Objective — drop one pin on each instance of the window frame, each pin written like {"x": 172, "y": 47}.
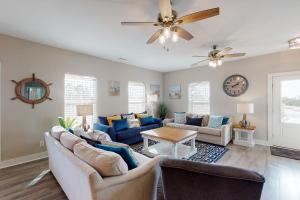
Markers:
{"x": 144, "y": 103}
{"x": 90, "y": 119}
{"x": 191, "y": 101}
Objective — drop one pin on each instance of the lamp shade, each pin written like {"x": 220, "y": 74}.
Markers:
{"x": 84, "y": 110}
{"x": 245, "y": 108}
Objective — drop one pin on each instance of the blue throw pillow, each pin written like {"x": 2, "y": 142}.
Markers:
{"x": 123, "y": 152}
{"x": 120, "y": 125}
{"x": 103, "y": 120}
{"x": 146, "y": 121}
{"x": 101, "y": 127}
{"x": 90, "y": 141}
{"x": 225, "y": 120}
{"x": 194, "y": 121}
{"x": 215, "y": 121}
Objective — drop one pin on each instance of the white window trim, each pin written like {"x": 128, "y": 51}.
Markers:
{"x": 189, "y": 96}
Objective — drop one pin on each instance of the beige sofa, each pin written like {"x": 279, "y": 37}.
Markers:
{"x": 221, "y": 136}
{"x": 82, "y": 182}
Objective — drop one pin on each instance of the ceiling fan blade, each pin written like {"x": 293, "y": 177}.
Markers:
{"x": 139, "y": 23}
{"x": 198, "y": 16}
{"x": 197, "y": 63}
{"x": 195, "y": 56}
{"x": 183, "y": 33}
{"x": 225, "y": 50}
{"x": 165, "y": 9}
{"x": 234, "y": 55}
{"x": 154, "y": 37}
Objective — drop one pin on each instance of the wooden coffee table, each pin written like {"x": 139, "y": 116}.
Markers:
{"x": 170, "y": 142}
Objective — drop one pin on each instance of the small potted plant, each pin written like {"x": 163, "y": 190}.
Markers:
{"x": 162, "y": 111}
{"x": 68, "y": 123}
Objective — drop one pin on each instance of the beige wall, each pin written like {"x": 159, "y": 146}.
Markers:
{"x": 22, "y": 127}
{"x": 254, "y": 69}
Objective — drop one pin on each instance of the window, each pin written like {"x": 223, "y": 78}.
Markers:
{"x": 80, "y": 90}
{"x": 136, "y": 97}
{"x": 199, "y": 97}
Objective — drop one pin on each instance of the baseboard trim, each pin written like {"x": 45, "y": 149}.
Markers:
{"x": 23, "y": 159}
{"x": 262, "y": 142}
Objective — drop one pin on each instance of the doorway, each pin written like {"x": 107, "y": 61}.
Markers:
{"x": 284, "y": 111}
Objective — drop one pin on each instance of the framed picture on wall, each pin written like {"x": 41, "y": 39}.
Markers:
{"x": 155, "y": 90}
{"x": 114, "y": 88}
{"x": 175, "y": 91}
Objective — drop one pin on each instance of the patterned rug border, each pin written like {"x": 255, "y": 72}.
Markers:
{"x": 206, "y": 152}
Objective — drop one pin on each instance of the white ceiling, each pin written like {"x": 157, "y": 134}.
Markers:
{"x": 93, "y": 27}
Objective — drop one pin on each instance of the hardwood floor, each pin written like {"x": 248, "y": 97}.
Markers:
{"x": 282, "y": 176}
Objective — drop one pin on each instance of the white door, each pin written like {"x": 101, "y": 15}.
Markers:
{"x": 286, "y": 111}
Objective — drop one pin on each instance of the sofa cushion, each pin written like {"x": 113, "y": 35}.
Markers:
{"x": 209, "y": 131}
{"x": 182, "y": 126}
{"x": 149, "y": 127}
{"x": 215, "y": 121}
{"x": 56, "y": 131}
{"x": 194, "y": 121}
{"x": 123, "y": 152}
{"x": 131, "y": 132}
{"x": 120, "y": 125}
{"x": 105, "y": 162}
{"x": 180, "y": 117}
{"x": 146, "y": 120}
{"x": 68, "y": 140}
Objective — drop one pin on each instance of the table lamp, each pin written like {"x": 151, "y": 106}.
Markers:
{"x": 84, "y": 110}
{"x": 245, "y": 108}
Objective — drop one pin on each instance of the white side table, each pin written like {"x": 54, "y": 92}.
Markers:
{"x": 244, "y": 137}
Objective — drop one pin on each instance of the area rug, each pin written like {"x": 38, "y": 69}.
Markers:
{"x": 287, "y": 153}
{"x": 208, "y": 153}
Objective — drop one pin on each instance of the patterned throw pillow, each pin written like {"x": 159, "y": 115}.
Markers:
{"x": 132, "y": 123}
{"x": 128, "y": 116}
{"x": 180, "y": 117}
{"x": 215, "y": 121}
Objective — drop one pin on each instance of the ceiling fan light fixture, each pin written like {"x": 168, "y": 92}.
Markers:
{"x": 219, "y": 62}
{"x": 294, "y": 43}
{"x": 174, "y": 36}
{"x": 166, "y": 32}
{"x": 162, "y": 39}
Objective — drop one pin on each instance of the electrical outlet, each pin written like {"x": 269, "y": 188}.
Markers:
{"x": 42, "y": 143}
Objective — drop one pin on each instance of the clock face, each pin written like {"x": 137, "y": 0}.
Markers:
{"x": 235, "y": 85}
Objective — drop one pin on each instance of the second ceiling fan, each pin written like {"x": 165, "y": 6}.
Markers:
{"x": 169, "y": 24}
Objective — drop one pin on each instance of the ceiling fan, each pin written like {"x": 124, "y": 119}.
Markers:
{"x": 215, "y": 56}
{"x": 169, "y": 24}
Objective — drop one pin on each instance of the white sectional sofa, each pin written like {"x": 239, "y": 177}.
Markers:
{"x": 221, "y": 136}
{"x": 80, "y": 181}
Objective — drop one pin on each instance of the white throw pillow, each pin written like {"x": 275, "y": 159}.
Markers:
{"x": 68, "y": 140}
{"x": 105, "y": 162}
{"x": 56, "y": 131}
{"x": 180, "y": 117}
{"x": 79, "y": 131}
{"x": 99, "y": 135}
{"x": 132, "y": 123}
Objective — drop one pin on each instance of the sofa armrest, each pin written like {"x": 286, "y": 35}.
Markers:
{"x": 158, "y": 121}
{"x": 107, "y": 129}
{"x": 168, "y": 120}
{"x": 226, "y": 135}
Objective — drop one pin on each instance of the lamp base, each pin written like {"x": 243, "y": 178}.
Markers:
{"x": 244, "y": 123}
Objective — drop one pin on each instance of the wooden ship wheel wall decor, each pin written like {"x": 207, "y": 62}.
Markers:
{"x": 32, "y": 90}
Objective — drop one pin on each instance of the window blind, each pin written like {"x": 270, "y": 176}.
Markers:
{"x": 136, "y": 97}
{"x": 199, "y": 98}
{"x": 80, "y": 90}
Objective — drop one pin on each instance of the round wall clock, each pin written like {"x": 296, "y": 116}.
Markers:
{"x": 235, "y": 85}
